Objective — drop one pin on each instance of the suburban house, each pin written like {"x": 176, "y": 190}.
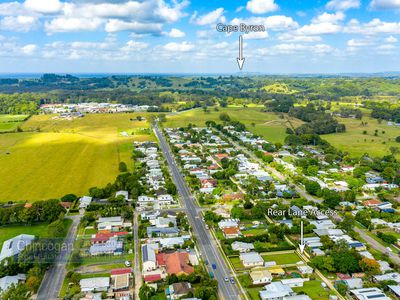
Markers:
{"x": 7, "y": 281}
{"x": 242, "y": 247}
{"x": 13, "y": 247}
{"x": 120, "y": 279}
{"x": 260, "y": 276}
{"x": 178, "y": 290}
{"x": 231, "y": 232}
{"x": 175, "y": 263}
{"x": 251, "y": 259}
{"x": 275, "y": 291}
{"x": 96, "y": 284}
{"x": 85, "y": 201}
{"x": 149, "y": 261}
{"x": 369, "y": 293}
{"x": 112, "y": 246}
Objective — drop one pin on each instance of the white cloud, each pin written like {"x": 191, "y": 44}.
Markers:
{"x": 63, "y": 24}
{"x": 134, "y": 46}
{"x": 261, "y": 6}
{"x": 385, "y": 4}
{"x": 319, "y": 29}
{"x": 18, "y": 23}
{"x": 391, "y": 39}
{"x": 44, "y": 6}
{"x": 178, "y": 47}
{"x": 12, "y": 9}
{"x": 376, "y": 26}
{"x": 342, "y": 4}
{"x": 386, "y": 47}
{"x": 115, "y": 25}
{"x": 29, "y": 49}
{"x": 175, "y": 33}
{"x": 290, "y": 48}
{"x": 329, "y": 18}
{"x": 288, "y": 37}
{"x": 273, "y": 22}
{"x": 358, "y": 43}
{"x": 211, "y": 18}
{"x": 256, "y": 35}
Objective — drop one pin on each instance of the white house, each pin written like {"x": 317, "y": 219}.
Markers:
{"x": 242, "y": 247}
{"x": 85, "y": 201}
{"x": 7, "y": 281}
{"x": 149, "y": 261}
{"x": 260, "y": 276}
{"x": 251, "y": 259}
{"x": 97, "y": 284}
{"x": 275, "y": 291}
{"x": 14, "y": 246}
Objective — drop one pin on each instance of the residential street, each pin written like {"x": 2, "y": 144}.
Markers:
{"x": 54, "y": 277}
{"x": 206, "y": 243}
{"x": 377, "y": 246}
{"x": 137, "y": 262}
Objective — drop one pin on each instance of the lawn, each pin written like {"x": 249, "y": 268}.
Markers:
{"x": 313, "y": 289}
{"x": 236, "y": 262}
{"x": 10, "y": 123}
{"x": 282, "y": 259}
{"x": 66, "y": 156}
{"x": 266, "y": 124}
{"x": 254, "y": 293}
{"x": 38, "y": 230}
{"x": 357, "y": 143}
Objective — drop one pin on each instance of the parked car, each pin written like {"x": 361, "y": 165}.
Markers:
{"x": 127, "y": 263}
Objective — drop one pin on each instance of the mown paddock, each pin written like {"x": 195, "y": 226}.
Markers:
{"x": 66, "y": 156}
{"x": 266, "y": 124}
{"x": 357, "y": 143}
{"x": 10, "y": 122}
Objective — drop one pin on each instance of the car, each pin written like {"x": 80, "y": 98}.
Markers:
{"x": 226, "y": 279}
{"x": 214, "y": 266}
{"x": 232, "y": 280}
{"x": 207, "y": 227}
{"x": 127, "y": 263}
{"x": 206, "y": 262}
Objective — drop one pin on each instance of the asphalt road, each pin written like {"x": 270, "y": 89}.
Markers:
{"x": 377, "y": 246}
{"x": 137, "y": 262}
{"x": 206, "y": 243}
{"x": 53, "y": 279}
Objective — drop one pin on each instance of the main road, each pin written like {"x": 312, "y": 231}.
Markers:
{"x": 206, "y": 244}
{"x": 53, "y": 279}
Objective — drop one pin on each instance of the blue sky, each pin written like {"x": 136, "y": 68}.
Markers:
{"x": 179, "y": 36}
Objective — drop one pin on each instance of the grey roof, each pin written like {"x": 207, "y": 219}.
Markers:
{"x": 14, "y": 246}
{"x": 7, "y": 281}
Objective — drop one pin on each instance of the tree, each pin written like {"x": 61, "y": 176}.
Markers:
{"x": 19, "y": 291}
{"x": 397, "y": 139}
{"x": 370, "y": 266}
{"x": 341, "y": 288}
{"x": 312, "y": 187}
{"x": 224, "y": 117}
{"x": 146, "y": 292}
{"x": 69, "y": 198}
{"x": 122, "y": 167}
{"x": 389, "y": 174}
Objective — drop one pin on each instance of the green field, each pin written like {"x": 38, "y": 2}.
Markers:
{"x": 9, "y": 123}
{"x": 38, "y": 230}
{"x": 313, "y": 289}
{"x": 66, "y": 156}
{"x": 282, "y": 259}
{"x": 265, "y": 124}
{"x": 357, "y": 143}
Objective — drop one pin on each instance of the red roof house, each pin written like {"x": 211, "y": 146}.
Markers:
{"x": 175, "y": 263}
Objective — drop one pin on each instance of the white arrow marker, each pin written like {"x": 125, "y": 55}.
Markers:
{"x": 240, "y": 59}
{"x": 302, "y": 246}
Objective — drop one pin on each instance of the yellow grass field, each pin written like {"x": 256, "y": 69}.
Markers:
{"x": 66, "y": 156}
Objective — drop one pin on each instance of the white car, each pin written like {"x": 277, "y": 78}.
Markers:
{"x": 127, "y": 263}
